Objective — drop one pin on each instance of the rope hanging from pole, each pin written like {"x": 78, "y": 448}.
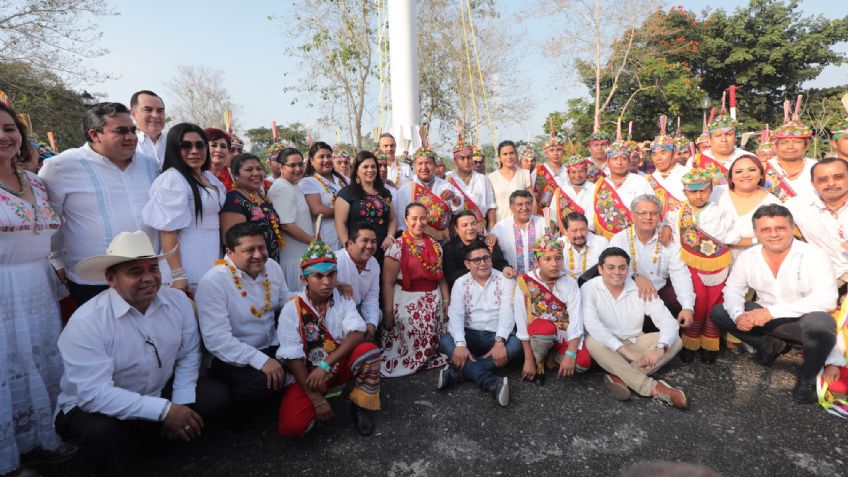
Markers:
{"x": 480, "y": 76}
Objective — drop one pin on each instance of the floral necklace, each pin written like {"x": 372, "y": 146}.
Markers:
{"x": 416, "y": 251}
{"x": 632, "y": 240}
{"x": 326, "y": 185}
{"x": 272, "y": 217}
{"x": 266, "y": 284}
{"x": 571, "y": 260}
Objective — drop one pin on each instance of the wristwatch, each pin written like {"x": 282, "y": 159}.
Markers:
{"x": 662, "y": 346}
{"x": 499, "y": 339}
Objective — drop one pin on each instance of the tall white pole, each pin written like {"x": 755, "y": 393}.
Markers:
{"x": 403, "y": 66}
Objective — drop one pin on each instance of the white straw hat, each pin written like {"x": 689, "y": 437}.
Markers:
{"x": 125, "y": 247}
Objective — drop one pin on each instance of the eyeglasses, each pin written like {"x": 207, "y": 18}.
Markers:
{"x": 124, "y": 130}
{"x": 155, "y": 350}
{"x": 479, "y": 260}
{"x": 647, "y": 213}
{"x": 294, "y": 165}
{"x": 188, "y": 145}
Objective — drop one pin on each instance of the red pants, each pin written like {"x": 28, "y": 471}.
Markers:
{"x": 841, "y": 384}
{"x": 363, "y": 364}
{"x": 540, "y": 328}
{"x": 703, "y": 333}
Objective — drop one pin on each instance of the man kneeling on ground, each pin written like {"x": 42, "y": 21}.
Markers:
{"x": 614, "y": 315}
{"x": 322, "y": 340}
{"x": 480, "y": 323}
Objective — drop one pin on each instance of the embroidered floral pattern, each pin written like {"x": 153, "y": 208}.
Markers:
{"x": 612, "y": 214}
{"x": 438, "y": 212}
{"x": 776, "y": 184}
{"x": 669, "y": 201}
{"x": 374, "y": 209}
{"x": 545, "y": 305}
{"x": 413, "y": 342}
{"x": 716, "y": 169}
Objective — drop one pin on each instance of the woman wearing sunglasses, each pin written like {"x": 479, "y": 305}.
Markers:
{"x": 184, "y": 204}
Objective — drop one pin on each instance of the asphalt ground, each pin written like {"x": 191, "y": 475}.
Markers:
{"x": 741, "y": 422}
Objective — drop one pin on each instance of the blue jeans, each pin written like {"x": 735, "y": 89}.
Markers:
{"x": 479, "y": 343}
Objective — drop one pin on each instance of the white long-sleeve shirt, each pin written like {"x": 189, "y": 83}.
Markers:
{"x": 804, "y": 283}
{"x": 96, "y": 201}
{"x": 112, "y": 368}
{"x": 802, "y": 185}
{"x": 618, "y": 321}
{"x": 155, "y": 150}
{"x": 230, "y": 330}
{"x": 481, "y": 307}
{"x": 567, "y": 291}
{"x": 583, "y": 259}
{"x": 404, "y": 197}
{"x": 340, "y": 320}
{"x": 505, "y": 233}
{"x": 633, "y": 186}
{"x": 668, "y": 265}
{"x": 823, "y": 229}
{"x": 672, "y": 183}
{"x": 365, "y": 284}
{"x": 479, "y": 189}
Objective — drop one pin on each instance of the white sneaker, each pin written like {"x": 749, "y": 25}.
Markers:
{"x": 503, "y": 394}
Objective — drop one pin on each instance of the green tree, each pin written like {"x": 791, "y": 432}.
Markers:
{"x": 49, "y": 103}
{"x": 261, "y": 138}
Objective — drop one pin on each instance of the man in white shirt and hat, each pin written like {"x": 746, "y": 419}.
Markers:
{"x": 796, "y": 290}
{"x": 132, "y": 357}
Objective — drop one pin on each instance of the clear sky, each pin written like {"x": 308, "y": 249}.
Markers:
{"x": 148, "y": 40}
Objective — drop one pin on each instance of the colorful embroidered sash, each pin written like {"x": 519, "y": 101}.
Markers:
{"x": 776, "y": 184}
{"x": 717, "y": 169}
{"x": 541, "y": 302}
{"x": 318, "y": 343}
{"x": 438, "y": 211}
{"x": 669, "y": 201}
{"x": 544, "y": 188}
{"x": 698, "y": 249}
{"x": 469, "y": 204}
{"x": 521, "y": 249}
{"x": 593, "y": 172}
{"x": 565, "y": 205}
{"x": 611, "y": 214}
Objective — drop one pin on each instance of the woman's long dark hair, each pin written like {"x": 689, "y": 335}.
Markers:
{"x": 313, "y": 149}
{"x": 173, "y": 158}
{"x": 356, "y": 187}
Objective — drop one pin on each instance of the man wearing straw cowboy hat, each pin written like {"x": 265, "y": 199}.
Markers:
{"x": 131, "y": 356}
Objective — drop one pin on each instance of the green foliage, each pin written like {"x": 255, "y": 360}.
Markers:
{"x": 50, "y": 104}
{"x": 261, "y": 138}
{"x": 767, "y": 48}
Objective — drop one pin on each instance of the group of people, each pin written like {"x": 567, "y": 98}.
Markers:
{"x": 205, "y": 285}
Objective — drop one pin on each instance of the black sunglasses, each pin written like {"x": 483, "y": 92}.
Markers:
{"x": 188, "y": 145}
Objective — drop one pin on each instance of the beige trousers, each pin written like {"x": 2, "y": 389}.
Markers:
{"x": 635, "y": 378}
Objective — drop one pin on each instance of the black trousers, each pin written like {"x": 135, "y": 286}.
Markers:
{"x": 815, "y": 331}
{"x": 246, "y": 385}
{"x": 83, "y": 293}
{"x": 103, "y": 440}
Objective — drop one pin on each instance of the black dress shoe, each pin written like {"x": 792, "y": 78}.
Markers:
{"x": 709, "y": 357}
{"x": 687, "y": 355}
{"x": 769, "y": 351}
{"x": 804, "y": 391}
{"x": 362, "y": 421}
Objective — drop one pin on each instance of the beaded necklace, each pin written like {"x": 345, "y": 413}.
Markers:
{"x": 272, "y": 217}
{"x": 266, "y": 284}
{"x": 571, "y": 260}
{"x": 416, "y": 251}
{"x": 632, "y": 240}
{"x": 22, "y": 179}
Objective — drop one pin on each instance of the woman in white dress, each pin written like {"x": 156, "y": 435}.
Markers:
{"x": 295, "y": 219}
{"x": 30, "y": 322}
{"x": 321, "y": 185}
{"x": 508, "y": 178}
{"x": 742, "y": 196}
{"x": 184, "y": 204}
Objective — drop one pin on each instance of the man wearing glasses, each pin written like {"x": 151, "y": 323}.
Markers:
{"x": 131, "y": 358}
{"x": 656, "y": 269}
{"x": 98, "y": 191}
{"x": 480, "y": 324}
